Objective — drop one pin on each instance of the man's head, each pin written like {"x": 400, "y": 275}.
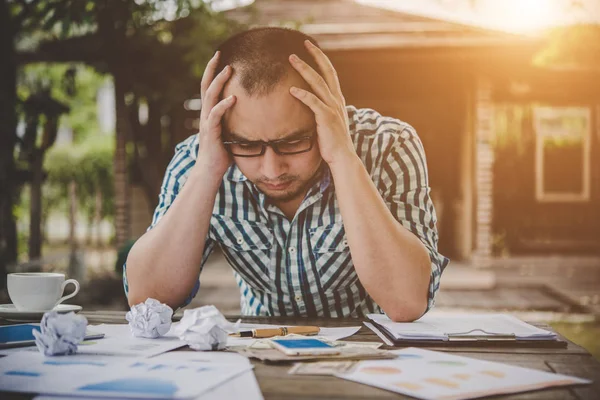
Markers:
{"x": 266, "y": 111}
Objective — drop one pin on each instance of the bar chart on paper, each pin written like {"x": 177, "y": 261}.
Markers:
{"x": 116, "y": 377}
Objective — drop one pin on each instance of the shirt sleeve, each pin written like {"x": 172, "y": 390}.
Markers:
{"x": 405, "y": 189}
{"x": 175, "y": 177}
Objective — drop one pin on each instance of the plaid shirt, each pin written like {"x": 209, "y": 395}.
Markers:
{"x": 303, "y": 266}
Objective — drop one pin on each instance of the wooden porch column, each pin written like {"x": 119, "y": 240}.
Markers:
{"x": 484, "y": 161}
{"x": 465, "y": 208}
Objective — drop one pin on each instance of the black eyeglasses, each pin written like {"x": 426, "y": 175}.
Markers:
{"x": 256, "y": 148}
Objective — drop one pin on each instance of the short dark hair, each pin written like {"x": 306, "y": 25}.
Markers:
{"x": 260, "y": 56}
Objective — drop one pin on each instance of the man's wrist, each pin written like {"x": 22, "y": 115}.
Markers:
{"x": 209, "y": 178}
{"x": 345, "y": 162}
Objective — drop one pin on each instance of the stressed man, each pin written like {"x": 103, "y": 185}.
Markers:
{"x": 320, "y": 208}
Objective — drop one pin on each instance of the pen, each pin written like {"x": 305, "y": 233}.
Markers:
{"x": 283, "y": 331}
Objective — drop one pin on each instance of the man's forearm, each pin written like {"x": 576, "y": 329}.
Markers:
{"x": 165, "y": 262}
{"x": 391, "y": 262}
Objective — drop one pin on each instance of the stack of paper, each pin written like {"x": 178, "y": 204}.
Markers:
{"x": 449, "y": 327}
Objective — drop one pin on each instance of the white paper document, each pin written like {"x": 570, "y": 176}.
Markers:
{"x": 243, "y": 386}
{"x": 447, "y": 326}
{"x": 203, "y": 357}
{"x": 426, "y": 374}
{"x": 91, "y": 376}
{"x": 118, "y": 340}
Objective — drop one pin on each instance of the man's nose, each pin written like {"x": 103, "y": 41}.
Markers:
{"x": 273, "y": 164}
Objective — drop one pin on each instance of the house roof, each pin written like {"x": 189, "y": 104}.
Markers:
{"x": 340, "y": 25}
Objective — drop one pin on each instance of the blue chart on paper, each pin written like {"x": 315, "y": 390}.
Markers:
{"x": 151, "y": 367}
{"x": 134, "y": 385}
{"x": 405, "y": 356}
{"x": 22, "y": 373}
{"x": 61, "y": 362}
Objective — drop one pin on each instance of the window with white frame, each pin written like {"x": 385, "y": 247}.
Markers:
{"x": 562, "y": 154}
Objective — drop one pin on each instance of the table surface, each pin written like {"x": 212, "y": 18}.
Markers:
{"x": 275, "y": 382}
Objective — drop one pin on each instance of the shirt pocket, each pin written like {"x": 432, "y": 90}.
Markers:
{"x": 334, "y": 265}
{"x": 247, "y": 247}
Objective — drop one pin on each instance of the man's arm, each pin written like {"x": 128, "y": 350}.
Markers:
{"x": 392, "y": 263}
{"x": 392, "y": 238}
{"x": 165, "y": 262}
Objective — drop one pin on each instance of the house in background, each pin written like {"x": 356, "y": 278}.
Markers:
{"x": 512, "y": 149}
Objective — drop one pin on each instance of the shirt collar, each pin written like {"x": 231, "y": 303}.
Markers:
{"x": 235, "y": 175}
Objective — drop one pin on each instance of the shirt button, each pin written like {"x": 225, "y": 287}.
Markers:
{"x": 240, "y": 240}
{"x": 345, "y": 243}
{"x": 292, "y": 250}
{"x": 298, "y": 298}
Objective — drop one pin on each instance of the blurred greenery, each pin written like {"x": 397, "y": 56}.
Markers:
{"x": 88, "y": 164}
{"x": 154, "y": 50}
{"x": 75, "y": 85}
{"x": 584, "y": 334}
{"x": 576, "y": 46}
{"x": 508, "y": 125}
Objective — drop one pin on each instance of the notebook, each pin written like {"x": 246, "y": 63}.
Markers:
{"x": 466, "y": 329}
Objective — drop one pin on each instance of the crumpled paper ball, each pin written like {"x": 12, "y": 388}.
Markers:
{"x": 205, "y": 328}
{"x": 150, "y": 319}
{"x": 60, "y": 333}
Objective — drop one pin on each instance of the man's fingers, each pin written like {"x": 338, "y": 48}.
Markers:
{"x": 209, "y": 73}
{"x": 326, "y": 66}
{"x": 312, "y": 77}
{"x": 322, "y": 112}
{"x": 211, "y": 97}
{"x": 216, "y": 114}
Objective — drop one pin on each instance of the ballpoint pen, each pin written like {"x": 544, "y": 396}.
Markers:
{"x": 283, "y": 331}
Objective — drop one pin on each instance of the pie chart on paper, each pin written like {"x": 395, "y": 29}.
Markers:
{"x": 380, "y": 370}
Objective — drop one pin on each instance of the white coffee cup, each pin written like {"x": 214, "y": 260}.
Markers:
{"x": 38, "y": 291}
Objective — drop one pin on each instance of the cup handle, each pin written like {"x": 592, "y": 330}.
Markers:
{"x": 65, "y": 283}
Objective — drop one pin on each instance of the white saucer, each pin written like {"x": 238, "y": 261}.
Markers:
{"x": 10, "y": 312}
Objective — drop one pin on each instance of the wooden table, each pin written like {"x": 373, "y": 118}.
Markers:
{"x": 275, "y": 382}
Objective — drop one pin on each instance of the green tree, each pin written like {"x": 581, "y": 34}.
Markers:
{"x": 46, "y": 91}
{"x": 576, "y": 46}
{"x": 74, "y": 84}
{"x": 155, "y": 56}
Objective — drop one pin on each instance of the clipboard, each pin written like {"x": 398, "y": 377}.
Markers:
{"x": 462, "y": 339}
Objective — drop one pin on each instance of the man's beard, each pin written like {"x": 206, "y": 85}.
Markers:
{"x": 297, "y": 187}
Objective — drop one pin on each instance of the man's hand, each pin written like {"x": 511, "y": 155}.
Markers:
{"x": 327, "y": 103}
{"x": 212, "y": 155}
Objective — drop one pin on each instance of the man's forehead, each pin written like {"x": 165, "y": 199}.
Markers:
{"x": 271, "y": 116}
